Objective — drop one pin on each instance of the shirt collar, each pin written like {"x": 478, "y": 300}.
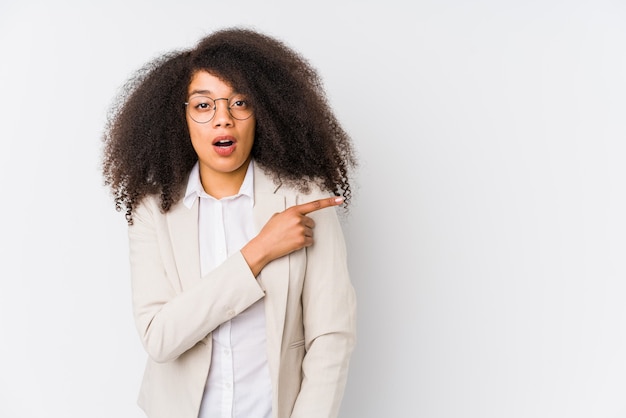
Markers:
{"x": 195, "y": 189}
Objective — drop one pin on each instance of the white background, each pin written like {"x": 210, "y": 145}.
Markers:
{"x": 487, "y": 238}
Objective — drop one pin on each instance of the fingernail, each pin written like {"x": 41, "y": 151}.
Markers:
{"x": 338, "y": 199}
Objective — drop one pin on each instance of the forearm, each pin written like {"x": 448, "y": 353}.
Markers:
{"x": 169, "y": 326}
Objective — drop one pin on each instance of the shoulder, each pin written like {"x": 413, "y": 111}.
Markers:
{"x": 149, "y": 209}
{"x": 149, "y": 204}
{"x": 302, "y": 194}
{"x": 266, "y": 182}
{"x": 314, "y": 192}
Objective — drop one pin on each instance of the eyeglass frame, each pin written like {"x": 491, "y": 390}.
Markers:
{"x": 215, "y": 108}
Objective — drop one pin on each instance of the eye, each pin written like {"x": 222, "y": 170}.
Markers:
{"x": 202, "y": 104}
{"x": 239, "y": 103}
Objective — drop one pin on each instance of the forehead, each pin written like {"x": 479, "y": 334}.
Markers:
{"x": 203, "y": 82}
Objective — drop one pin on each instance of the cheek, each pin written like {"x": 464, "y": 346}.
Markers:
{"x": 251, "y": 132}
{"x": 251, "y": 135}
{"x": 191, "y": 127}
{"x": 196, "y": 138}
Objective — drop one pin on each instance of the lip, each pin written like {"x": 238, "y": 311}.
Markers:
{"x": 227, "y": 149}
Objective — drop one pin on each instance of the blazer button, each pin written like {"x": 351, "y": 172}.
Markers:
{"x": 231, "y": 313}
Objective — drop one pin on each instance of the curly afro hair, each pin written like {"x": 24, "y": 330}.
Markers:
{"x": 298, "y": 140}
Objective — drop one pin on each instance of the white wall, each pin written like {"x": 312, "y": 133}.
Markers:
{"x": 487, "y": 239}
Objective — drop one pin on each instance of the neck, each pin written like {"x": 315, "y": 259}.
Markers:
{"x": 220, "y": 184}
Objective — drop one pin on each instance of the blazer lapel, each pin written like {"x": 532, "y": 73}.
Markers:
{"x": 275, "y": 276}
{"x": 183, "y": 229}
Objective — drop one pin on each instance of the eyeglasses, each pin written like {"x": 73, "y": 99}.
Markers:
{"x": 202, "y": 108}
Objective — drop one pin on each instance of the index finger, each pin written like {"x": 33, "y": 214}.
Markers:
{"x": 309, "y": 207}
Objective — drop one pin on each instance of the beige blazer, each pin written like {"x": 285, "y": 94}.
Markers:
{"x": 309, "y": 303}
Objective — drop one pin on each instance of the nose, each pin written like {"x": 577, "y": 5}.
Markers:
{"x": 222, "y": 113}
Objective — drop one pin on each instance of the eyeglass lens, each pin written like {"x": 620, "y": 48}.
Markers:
{"x": 202, "y": 108}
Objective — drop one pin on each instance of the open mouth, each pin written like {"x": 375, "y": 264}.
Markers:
{"x": 223, "y": 143}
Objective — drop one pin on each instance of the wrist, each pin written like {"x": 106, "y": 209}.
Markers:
{"x": 255, "y": 256}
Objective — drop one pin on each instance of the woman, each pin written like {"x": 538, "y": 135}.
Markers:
{"x": 226, "y": 158}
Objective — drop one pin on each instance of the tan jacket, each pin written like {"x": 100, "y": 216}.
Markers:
{"x": 309, "y": 303}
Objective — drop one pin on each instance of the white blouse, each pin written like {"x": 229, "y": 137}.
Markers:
{"x": 238, "y": 385}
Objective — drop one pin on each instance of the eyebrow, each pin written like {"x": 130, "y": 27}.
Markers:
{"x": 208, "y": 92}
{"x": 199, "y": 92}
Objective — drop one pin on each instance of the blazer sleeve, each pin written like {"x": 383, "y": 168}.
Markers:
{"x": 329, "y": 316}
{"x": 171, "y": 319}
